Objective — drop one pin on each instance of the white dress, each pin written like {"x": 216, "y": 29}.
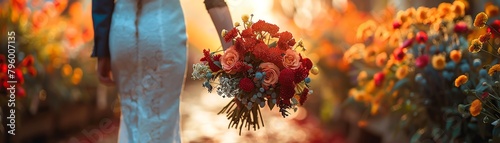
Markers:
{"x": 148, "y": 57}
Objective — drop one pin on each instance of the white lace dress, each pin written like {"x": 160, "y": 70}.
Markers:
{"x": 148, "y": 57}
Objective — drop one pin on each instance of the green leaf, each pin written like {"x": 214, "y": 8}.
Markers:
{"x": 273, "y": 44}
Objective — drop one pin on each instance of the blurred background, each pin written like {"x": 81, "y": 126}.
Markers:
{"x": 61, "y": 100}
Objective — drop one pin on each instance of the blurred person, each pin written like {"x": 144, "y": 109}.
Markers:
{"x": 140, "y": 46}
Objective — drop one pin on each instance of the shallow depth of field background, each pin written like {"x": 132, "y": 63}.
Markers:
{"x": 63, "y": 101}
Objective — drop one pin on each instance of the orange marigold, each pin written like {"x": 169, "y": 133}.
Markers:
{"x": 459, "y": 8}
{"x": 456, "y": 55}
{"x": 475, "y": 46}
{"x": 491, "y": 9}
{"x": 460, "y": 80}
{"x": 481, "y": 19}
{"x": 494, "y": 69}
{"x": 475, "y": 107}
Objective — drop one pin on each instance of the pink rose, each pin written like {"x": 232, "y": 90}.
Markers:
{"x": 291, "y": 59}
{"x": 229, "y": 60}
{"x": 272, "y": 73}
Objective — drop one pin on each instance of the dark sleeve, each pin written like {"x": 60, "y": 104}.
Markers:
{"x": 101, "y": 18}
{"x": 214, "y": 3}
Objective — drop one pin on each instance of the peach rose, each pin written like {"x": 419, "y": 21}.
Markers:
{"x": 272, "y": 73}
{"x": 291, "y": 59}
{"x": 229, "y": 60}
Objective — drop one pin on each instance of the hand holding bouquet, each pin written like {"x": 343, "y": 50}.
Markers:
{"x": 262, "y": 67}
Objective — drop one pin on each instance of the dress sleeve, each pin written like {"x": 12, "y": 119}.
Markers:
{"x": 102, "y": 10}
{"x": 214, "y": 3}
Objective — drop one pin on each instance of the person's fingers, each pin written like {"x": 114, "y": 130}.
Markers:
{"x": 103, "y": 71}
{"x": 106, "y": 81}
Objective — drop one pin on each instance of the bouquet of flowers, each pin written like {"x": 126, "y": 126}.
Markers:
{"x": 262, "y": 67}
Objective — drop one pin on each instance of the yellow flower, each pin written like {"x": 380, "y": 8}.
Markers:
{"x": 444, "y": 9}
{"x": 223, "y": 33}
{"x": 494, "y": 69}
{"x": 460, "y": 80}
{"x": 366, "y": 29}
{"x": 475, "y": 107}
{"x": 369, "y": 55}
{"x": 402, "y": 72}
{"x": 458, "y": 8}
{"x": 491, "y": 10}
{"x": 422, "y": 14}
{"x": 236, "y": 24}
{"x": 481, "y": 19}
{"x": 438, "y": 62}
{"x": 456, "y": 56}
{"x": 475, "y": 46}
{"x": 245, "y": 18}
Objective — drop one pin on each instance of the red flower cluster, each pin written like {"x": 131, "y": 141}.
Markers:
{"x": 262, "y": 26}
{"x": 207, "y": 58}
{"x": 285, "y": 40}
{"x": 231, "y": 34}
{"x": 273, "y": 55}
{"x": 286, "y": 80}
{"x": 246, "y": 85}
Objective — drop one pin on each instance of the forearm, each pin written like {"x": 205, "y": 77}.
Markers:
{"x": 102, "y": 10}
{"x": 221, "y": 17}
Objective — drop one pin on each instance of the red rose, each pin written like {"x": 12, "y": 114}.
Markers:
{"x": 246, "y": 84}
{"x": 307, "y": 63}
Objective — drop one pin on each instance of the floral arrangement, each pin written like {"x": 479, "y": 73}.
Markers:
{"x": 482, "y": 84}
{"x": 406, "y": 67}
{"x": 262, "y": 66}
